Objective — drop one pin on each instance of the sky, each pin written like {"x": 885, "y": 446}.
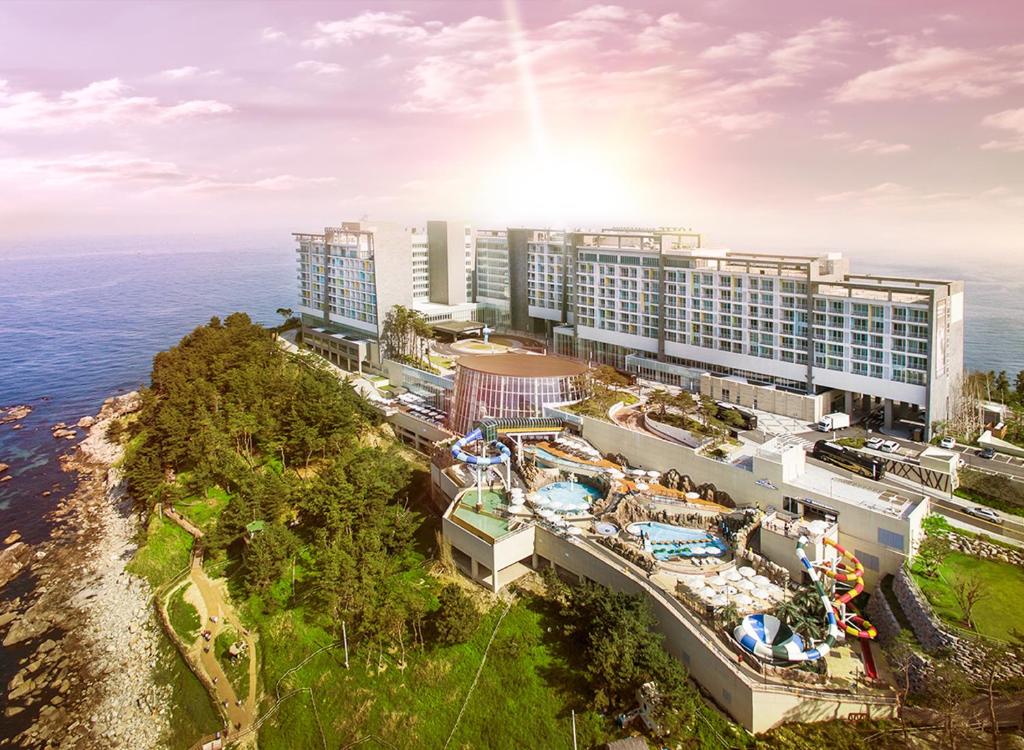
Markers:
{"x": 876, "y": 128}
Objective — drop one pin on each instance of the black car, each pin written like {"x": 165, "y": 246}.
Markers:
{"x": 986, "y": 453}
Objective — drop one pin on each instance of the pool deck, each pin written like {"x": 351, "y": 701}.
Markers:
{"x": 486, "y": 521}
{"x": 654, "y": 490}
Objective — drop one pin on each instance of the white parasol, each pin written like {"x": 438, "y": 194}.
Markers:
{"x": 733, "y": 575}
{"x": 747, "y": 572}
{"x": 742, "y": 600}
{"x": 761, "y": 580}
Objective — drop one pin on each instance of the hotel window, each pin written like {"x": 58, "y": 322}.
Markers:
{"x": 791, "y": 505}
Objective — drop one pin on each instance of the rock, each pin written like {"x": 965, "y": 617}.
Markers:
{"x": 47, "y": 645}
{"x": 12, "y": 559}
{"x": 6, "y": 478}
{"x": 23, "y": 689}
{"x": 13, "y": 711}
{"x": 12, "y": 537}
{"x": 7, "y": 617}
{"x": 4, "y": 467}
{"x": 86, "y": 422}
{"x": 14, "y": 413}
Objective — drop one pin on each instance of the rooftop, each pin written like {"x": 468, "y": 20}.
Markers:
{"x": 522, "y": 365}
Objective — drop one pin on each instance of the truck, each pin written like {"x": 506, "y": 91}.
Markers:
{"x": 834, "y": 421}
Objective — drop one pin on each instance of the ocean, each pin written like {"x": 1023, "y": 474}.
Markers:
{"x": 82, "y": 324}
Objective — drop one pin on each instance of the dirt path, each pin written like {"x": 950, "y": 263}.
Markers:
{"x": 211, "y": 600}
{"x": 217, "y": 604}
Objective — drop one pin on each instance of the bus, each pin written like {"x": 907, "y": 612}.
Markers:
{"x": 851, "y": 460}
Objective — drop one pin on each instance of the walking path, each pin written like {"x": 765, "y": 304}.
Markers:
{"x": 211, "y": 600}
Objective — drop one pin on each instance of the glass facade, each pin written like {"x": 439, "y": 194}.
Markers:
{"x": 480, "y": 394}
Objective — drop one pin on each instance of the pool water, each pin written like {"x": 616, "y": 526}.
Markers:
{"x": 667, "y": 542}
{"x": 569, "y": 497}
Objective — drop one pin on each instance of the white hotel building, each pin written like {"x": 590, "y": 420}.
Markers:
{"x": 660, "y": 305}
{"x": 768, "y": 329}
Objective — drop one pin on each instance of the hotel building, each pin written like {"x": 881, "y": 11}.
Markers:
{"x": 763, "y": 329}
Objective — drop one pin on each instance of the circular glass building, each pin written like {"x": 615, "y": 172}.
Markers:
{"x": 512, "y": 385}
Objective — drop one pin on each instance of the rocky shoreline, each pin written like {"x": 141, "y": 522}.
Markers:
{"x": 85, "y": 633}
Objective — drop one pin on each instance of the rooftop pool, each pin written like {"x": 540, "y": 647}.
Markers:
{"x": 668, "y": 542}
{"x": 567, "y": 497}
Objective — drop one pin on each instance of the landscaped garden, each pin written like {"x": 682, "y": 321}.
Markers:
{"x": 996, "y": 612}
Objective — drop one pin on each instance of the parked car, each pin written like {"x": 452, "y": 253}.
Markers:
{"x": 948, "y": 443}
{"x": 890, "y": 446}
{"x": 987, "y": 513}
{"x": 874, "y": 444}
{"x": 986, "y": 453}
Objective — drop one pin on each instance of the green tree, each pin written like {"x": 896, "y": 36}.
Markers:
{"x": 456, "y": 617}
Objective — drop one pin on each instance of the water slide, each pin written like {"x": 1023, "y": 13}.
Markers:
{"x": 849, "y": 572}
{"x": 503, "y": 455}
{"x": 488, "y": 431}
{"x": 768, "y": 638}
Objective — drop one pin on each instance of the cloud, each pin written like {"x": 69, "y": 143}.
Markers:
{"x": 883, "y": 193}
{"x": 318, "y": 68}
{"x": 187, "y": 72}
{"x": 399, "y": 26}
{"x": 1011, "y": 120}
{"x": 872, "y": 146}
{"x": 98, "y": 104}
{"x": 277, "y": 184}
{"x": 121, "y": 169}
{"x": 270, "y": 34}
{"x": 744, "y": 44}
{"x": 940, "y": 73}
{"x": 103, "y": 167}
{"x": 176, "y": 74}
{"x": 664, "y": 33}
{"x": 743, "y": 124}
{"x": 811, "y": 47}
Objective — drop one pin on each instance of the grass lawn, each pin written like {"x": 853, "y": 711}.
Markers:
{"x": 238, "y": 670}
{"x": 191, "y": 713}
{"x": 203, "y": 511}
{"x": 163, "y": 554}
{"x": 998, "y": 613}
{"x": 522, "y": 699}
{"x": 597, "y": 406}
{"x": 183, "y": 616}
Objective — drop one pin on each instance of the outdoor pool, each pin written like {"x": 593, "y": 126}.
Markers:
{"x": 667, "y": 542}
{"x": 567, "y": 497}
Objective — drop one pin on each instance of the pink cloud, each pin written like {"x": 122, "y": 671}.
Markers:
{"x": 317, "y": 67}
{"x": 103, "y": 103}
{"x": 744, "y": 44}
{"x": 1011, "y": 120}
{"x": 941, "y": 73}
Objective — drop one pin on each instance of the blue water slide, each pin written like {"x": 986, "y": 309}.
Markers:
{"x": 468, "y": 458}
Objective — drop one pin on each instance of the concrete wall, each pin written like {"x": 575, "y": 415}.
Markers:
{"x": 678, "y": 434}
{"x": 808, "y": 408}
{"x": 858, "y": 525}
{"x": 755, "y": 705}
{"x": 392, "y": 264}
{"x": 446, "y": 248}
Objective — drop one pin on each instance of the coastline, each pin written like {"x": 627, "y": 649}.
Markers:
{"x": 84, "y": 635}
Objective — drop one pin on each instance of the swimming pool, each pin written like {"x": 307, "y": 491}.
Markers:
{"x": 667, "y": 542}
{"x": 568, "y": 497}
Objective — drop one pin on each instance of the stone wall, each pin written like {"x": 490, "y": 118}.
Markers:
{"x": 880, "y": 614}
{"x": 982, "y": 549}
{"x": 926, "y": 625}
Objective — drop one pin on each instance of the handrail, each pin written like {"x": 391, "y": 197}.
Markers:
{"x": 689, "y": 619}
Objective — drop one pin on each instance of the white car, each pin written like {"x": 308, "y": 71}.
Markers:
{"x": 948, "y": 443}
{"x": 874, "y": 444}
{"x": 889, "y": 446}
{"x": 987, "y": 513}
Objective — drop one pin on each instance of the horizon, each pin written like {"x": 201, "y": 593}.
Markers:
{"x": 785, "y": 129}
